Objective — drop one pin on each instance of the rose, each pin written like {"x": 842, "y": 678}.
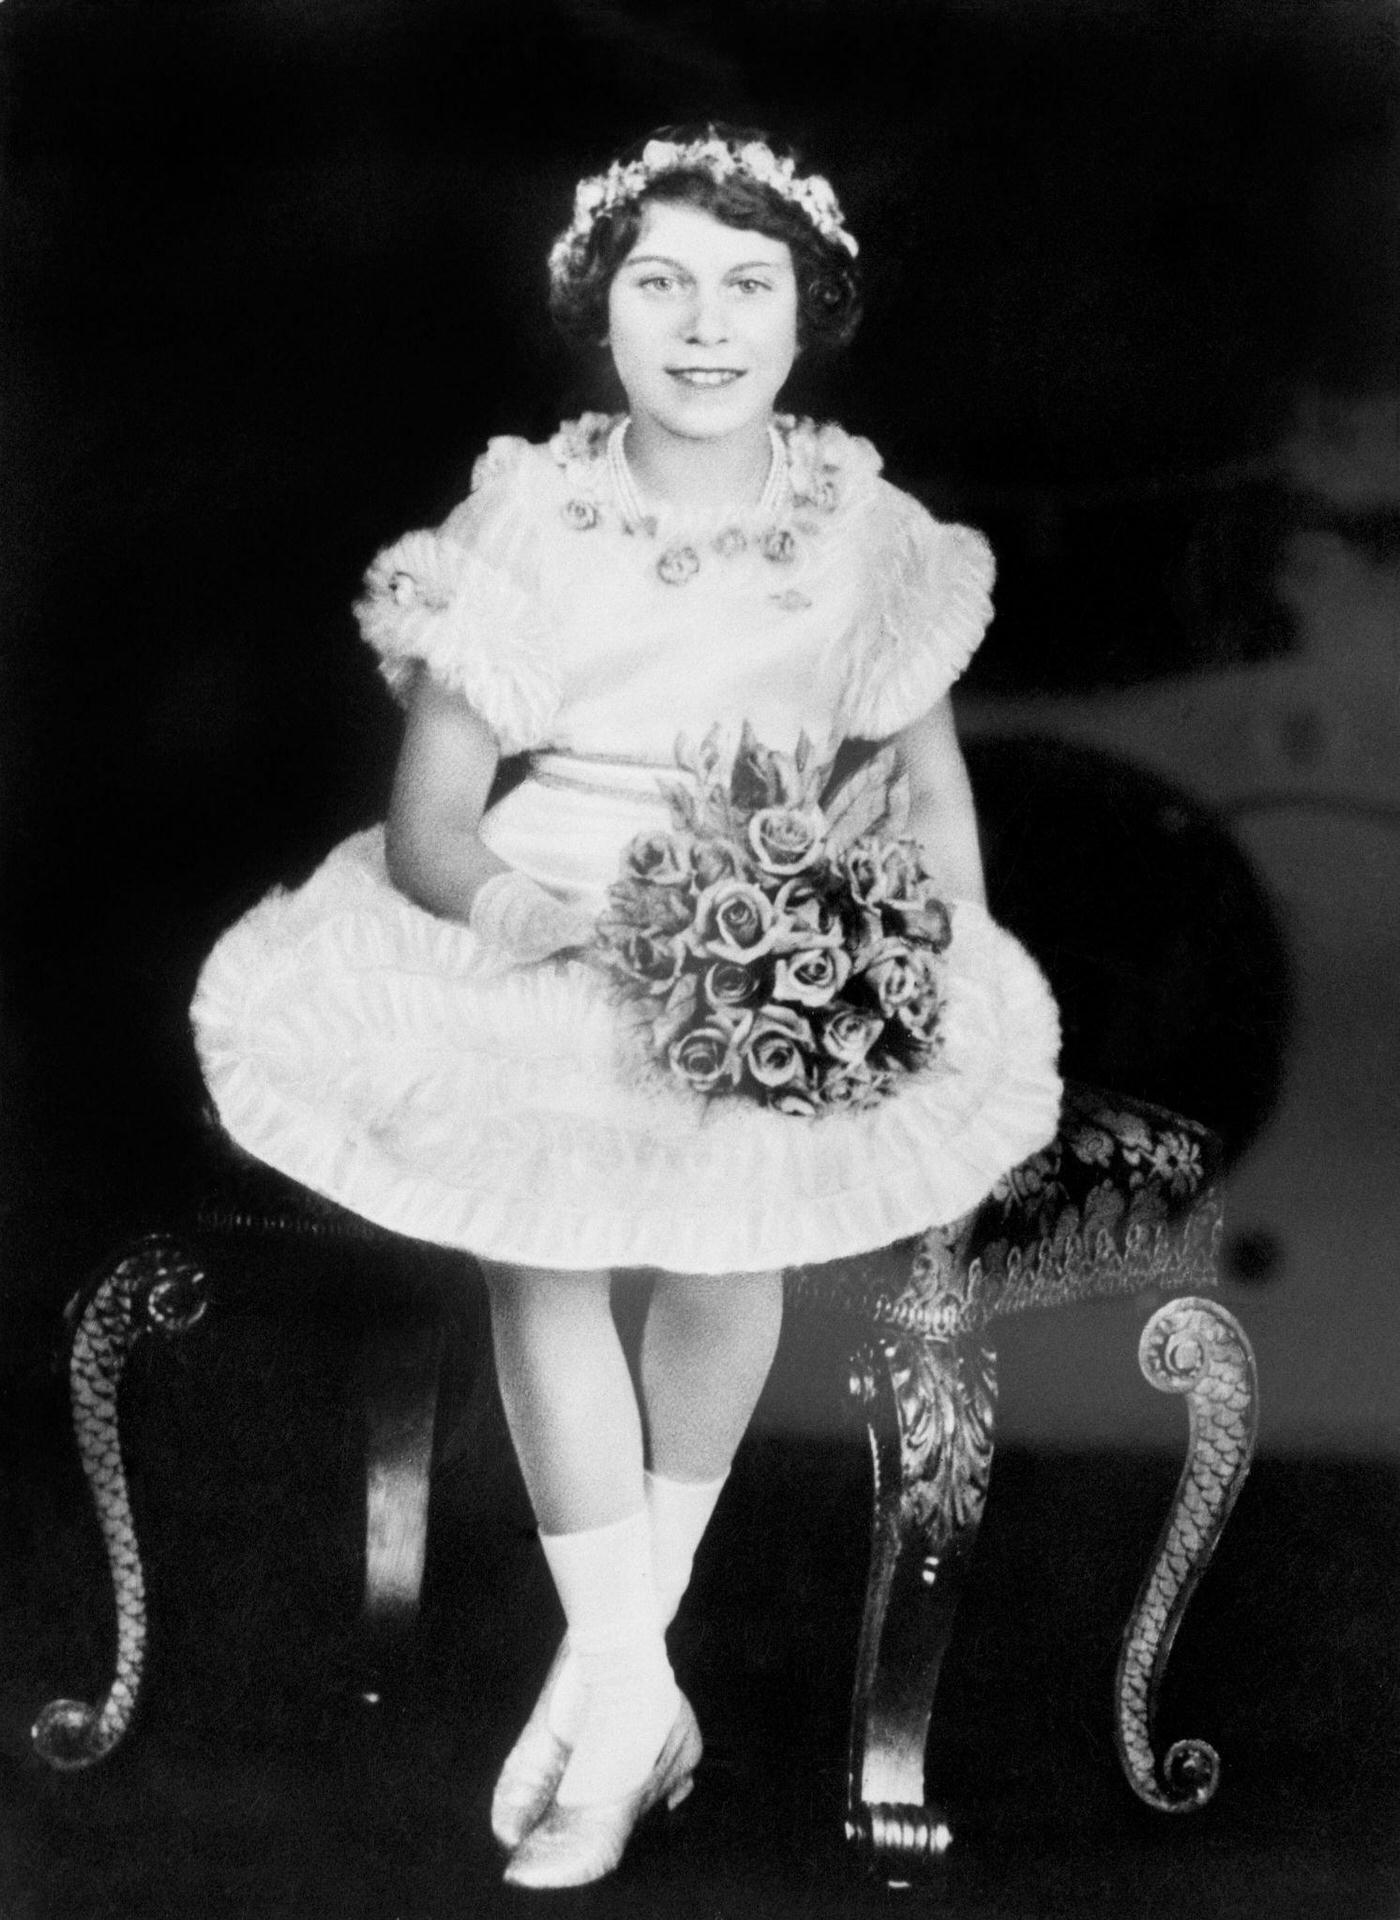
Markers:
{"x": 636, "y": 903}
{"x": 908, "y": 895}
{"x": 893, "y": 976}
{"x": 658, "y": 155}
{"x": 662, "y": 859}
{"x": 812, "y": 978}
{"x": 806, "y": 918}
{"x": 733, "y": 921}
{"x": 778, "y": 544}
{"x": 861, "y": 868}
{"x": 820, "y": 494}
{"x": 728, "y": 983}
{"x": 864, "y": 936}
{"x": 577, "y": 439}
{"x": 929, "y": 925}
{"x": 703, "y": 1058}
{"x": 709, "y": 1054}
{"x": 777, "y": 1047}
{"x": 929, "y": 969}
{"x": 580, "y": 514}
{"x": 796, "y": 1100}
{"x": 786, "y": 839}
{"x": 406, "y": 588}
{"x": 713, "y": 860}
{"x": 918, "y": 1017}
{"x": 729, "y": 541}
{"x": 855, "y": 1086}
{"x": 654, "y": 962}
{"x": 903, "y": 871}
{"x": 677, "y": 565}
{"x": 848, "y": 1033}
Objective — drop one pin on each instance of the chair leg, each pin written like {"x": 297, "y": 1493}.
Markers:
{"x": 1197, "y": 1348}
{"x": 157, "y": 1287}
{"x": 400, "y": 1372}
{"x": 929, "y": 1406}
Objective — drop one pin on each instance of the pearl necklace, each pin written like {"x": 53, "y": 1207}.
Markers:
{"x": 625, "y": 486}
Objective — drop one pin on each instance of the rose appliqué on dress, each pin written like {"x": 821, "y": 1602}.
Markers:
{"x": 677, "y": 565}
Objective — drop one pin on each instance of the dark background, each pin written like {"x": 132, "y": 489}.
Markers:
{"x": 271, "y": 275}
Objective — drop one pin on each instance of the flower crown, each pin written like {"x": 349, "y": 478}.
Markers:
{"x": 602, "y": 193}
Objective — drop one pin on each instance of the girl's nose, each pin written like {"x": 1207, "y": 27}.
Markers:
{"x": 706, "y": 323}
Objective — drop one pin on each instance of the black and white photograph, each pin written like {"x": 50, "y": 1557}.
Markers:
{"x": 699, "y": 1014}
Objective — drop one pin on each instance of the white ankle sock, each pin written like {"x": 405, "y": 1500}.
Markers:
{"x": 678, "y": 1512}
{"x": 605, "y": 1584}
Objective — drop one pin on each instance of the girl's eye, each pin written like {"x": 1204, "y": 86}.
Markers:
{"x": 662, "y": 282}
{"x": 753, "y": 286}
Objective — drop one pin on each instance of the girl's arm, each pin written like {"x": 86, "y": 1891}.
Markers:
{"x": 433, "y": 842}
{"x": 446, "y": 765}
{"x": 941, "y": 816}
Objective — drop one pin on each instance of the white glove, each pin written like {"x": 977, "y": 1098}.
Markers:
{"x": 512, "y": 912}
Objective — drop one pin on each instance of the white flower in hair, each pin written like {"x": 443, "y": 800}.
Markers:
{"x": 658, "y": 156}
{"x": 602, "y": 194}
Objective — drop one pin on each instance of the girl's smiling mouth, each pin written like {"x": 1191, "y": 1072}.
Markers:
{"x": 706, "y": 376}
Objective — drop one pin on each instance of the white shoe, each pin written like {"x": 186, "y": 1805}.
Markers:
{"x": 571, "y": 1846}
{"x": 533, "y": 1769}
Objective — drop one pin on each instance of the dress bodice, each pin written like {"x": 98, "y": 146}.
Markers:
{"x": 835, "y": 606}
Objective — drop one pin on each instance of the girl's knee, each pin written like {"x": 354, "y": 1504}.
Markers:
{"x": 722, "y": 1296}
{"x": 543, "y": 1290}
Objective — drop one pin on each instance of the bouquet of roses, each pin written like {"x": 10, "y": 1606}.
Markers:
{"x": 773, "y": 948}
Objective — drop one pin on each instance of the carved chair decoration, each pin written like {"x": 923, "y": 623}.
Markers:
{"x": 1124, "y": 1202}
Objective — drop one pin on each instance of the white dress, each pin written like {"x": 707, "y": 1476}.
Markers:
{"x": 398, "y": 1064}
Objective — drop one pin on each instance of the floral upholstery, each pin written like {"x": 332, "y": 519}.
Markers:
{"x": 1124, "y": 1199}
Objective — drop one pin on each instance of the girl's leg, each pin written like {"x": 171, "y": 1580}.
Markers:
{"x": 707, "y": 1347}
{"x": 573, "y": 1417}
{"x": 568, "y": 1396}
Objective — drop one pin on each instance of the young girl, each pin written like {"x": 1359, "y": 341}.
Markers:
{"x": 422, "y": 1032}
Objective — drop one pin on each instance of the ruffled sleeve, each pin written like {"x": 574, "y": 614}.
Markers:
{"x": 930, "y": 603}
{"x": 460, "y": 600}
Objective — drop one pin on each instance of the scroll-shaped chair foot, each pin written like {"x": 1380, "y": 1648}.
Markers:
{"x": 902, "y": 1841}
{"x": 929, "y": 1408}
{"x": 156, "y": 1287}
{"x": 1197, "y": 1348}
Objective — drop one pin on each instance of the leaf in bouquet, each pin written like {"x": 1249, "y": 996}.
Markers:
{"x": 900, "y": 797}
{"x": 809, "y": 773}
{"x": 875, "y": 798}
{"x": 686, "y": 807}
{"x": 679, "y": 1009}
{"x": 759, "y": 777}
{"x": 710, "y": 754}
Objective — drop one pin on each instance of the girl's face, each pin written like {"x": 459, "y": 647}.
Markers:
{"x": 702, "y": 323}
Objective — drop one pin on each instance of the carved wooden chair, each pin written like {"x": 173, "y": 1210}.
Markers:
{"x": 1124, "y": 1202}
